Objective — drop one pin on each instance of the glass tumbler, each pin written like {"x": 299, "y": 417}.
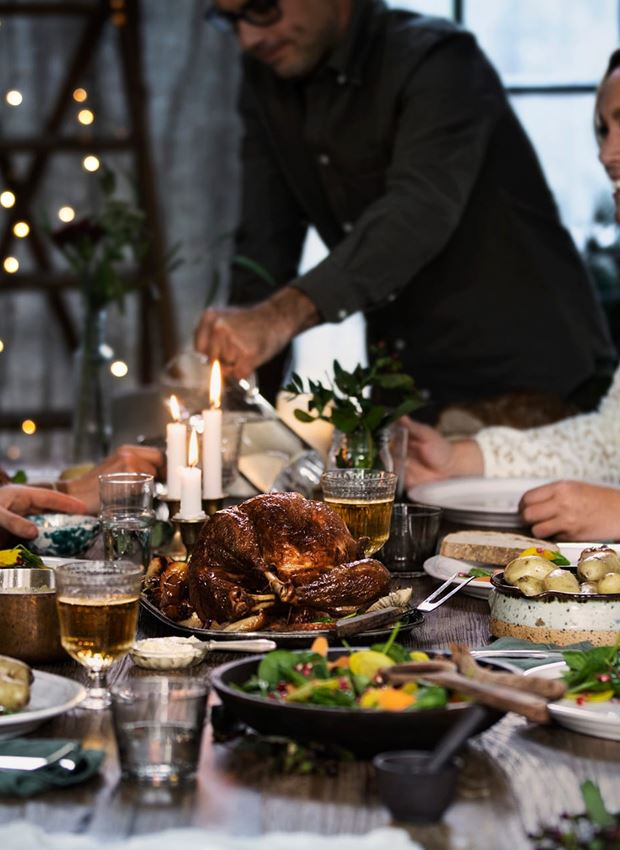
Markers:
{"x": 159, "y": 723}
{"x": 414, "y": 530}
{"x": 364, "y": 499}
{"x": 127, "y": 516}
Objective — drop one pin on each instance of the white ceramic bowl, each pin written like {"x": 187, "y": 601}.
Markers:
{"x": 167, "y": 653}
{"x": 63, "y": 535}
{"x": 553, "y": 616}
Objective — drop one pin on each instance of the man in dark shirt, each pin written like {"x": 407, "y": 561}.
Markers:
{"x": 392, "y": 135}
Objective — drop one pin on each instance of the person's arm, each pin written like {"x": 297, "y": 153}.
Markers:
{"x": 17, "y": 500}
{"x": 572, "y": 510}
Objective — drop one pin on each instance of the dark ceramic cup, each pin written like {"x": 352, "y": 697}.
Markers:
{"x": 409, "y": 790}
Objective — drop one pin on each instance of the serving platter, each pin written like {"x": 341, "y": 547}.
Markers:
{"x": 363, "y": 732}
{"x": 50, "y": 695}
{"x": 599, "y": 719}
{"x": 300, "y": 638}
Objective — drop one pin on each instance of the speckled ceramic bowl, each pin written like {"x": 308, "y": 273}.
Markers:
{"x": 553, "y": 616}
{"x": 63, "y": 535}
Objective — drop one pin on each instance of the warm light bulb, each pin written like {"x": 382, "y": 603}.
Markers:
{"x": 80, "y": 95}
{"x": 119, "y": 368}
{"x": 10, "y": 264}
{"x": 7, "y": 199}
{"x": 1, "y": 345}
{"x": 91, "y": 163}
{"x": 13, "y": 97}
{"x": 29, "y": 427}
{"x": 21, "y": 229}
{"x": 66, "y": 214}
{"x": 86, "y": 116}
{"x": 13, "y": 452}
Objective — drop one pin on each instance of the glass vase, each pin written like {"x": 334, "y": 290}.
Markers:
{"x": 92, "y": 422}
{"x": 361, "y": 450}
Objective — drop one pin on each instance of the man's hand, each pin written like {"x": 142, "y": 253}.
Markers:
{"x": 124, "y": 459}
{"x": 572, "y": 510}
{"x": 242, "y": 339}
{"x": 17, "y": 500}
{"x": 431, "y": 457}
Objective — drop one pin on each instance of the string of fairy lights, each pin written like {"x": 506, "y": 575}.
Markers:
{"x": 13, "y": 97}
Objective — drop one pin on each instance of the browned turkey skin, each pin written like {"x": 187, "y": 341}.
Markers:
{"x": 280, "y": 551}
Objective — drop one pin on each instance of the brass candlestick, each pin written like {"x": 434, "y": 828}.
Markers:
{"x": 211, "y": 506}
{"x": 175, "y": 548}
{"x": 189, "y": 529}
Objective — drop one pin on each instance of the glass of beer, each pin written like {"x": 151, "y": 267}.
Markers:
{"x": 364, "y": 499}
{"x": 98, "y": 611}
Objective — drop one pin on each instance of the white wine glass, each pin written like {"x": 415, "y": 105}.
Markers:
{"x": 98, "y": 611}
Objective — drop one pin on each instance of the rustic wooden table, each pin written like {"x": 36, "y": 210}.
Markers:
{"x": 516, "y": 775}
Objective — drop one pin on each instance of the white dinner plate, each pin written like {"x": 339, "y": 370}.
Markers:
{"x": 52, "y": 563}
{"x": 441, "y": 567}
{"x": 483, "y": 502}
{"x": 50, "y": 695}
{"x": 599, "y": 719}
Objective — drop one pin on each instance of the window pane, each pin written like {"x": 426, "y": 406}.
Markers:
{"x": 437, "y": 8}
{"x": 560, "y": 126}
{"x": 545, "y": 41}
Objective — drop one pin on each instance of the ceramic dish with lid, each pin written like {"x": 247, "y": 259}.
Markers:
{"x": 553, "y": 616}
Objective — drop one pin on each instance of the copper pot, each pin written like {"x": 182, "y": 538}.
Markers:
{"x": 29, "y": 628}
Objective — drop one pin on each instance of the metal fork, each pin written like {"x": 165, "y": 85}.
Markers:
{"x": 431, "y": 602}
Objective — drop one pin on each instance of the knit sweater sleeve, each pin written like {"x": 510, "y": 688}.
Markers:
{"x": 585, "y": 446}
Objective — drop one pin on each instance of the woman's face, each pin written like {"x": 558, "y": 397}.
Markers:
{"x": 608, "y": 131}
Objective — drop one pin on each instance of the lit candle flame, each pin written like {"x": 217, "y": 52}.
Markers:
{"x": 215, "y": 387}
{"x": 192, "y": 455}
{"x": 175, "y": 410}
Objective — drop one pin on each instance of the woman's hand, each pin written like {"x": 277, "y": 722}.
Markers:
{"x": 431, "y": 457}
{"x": 16, "y": 500}
{"x": 124, "y": 459}
{"x": 572, "y": 510}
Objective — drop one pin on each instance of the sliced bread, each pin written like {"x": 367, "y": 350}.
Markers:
{"x": 489, "y": 547}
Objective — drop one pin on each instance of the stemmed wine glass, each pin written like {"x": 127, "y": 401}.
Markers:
{"x": 98, "y": 611}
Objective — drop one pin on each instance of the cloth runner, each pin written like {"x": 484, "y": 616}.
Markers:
{"x": 527, "y": 663}
{"x": 21, "y": 835}
{"x": 26, "y": 783}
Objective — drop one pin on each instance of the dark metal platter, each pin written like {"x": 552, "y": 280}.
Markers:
{"x": 300, "y": 639}
{"x": 364, "y": 733}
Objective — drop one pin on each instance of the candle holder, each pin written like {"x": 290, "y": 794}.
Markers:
{"x": 175, "y": 548}
{"x": 189, "y": 530}
{"x": 211, "y": 506}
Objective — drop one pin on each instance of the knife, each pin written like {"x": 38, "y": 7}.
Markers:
{"x": 348, "y": 626}
{"x": 36, "y": 762}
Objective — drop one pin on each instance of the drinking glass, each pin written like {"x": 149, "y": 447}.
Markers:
{"x": 158, "y": 723}
{"x": 127, "y": 516}
{"x": 98, "y": 611}
{"x": 414, "y": 530}
{"x": 364, "y": 499}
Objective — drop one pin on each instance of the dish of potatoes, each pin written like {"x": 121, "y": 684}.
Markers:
{"x": 597, "y": 573}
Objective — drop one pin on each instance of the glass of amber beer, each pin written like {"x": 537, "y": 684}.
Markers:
{"x": 364, "y": 499}
{"x": 98, "y": 611}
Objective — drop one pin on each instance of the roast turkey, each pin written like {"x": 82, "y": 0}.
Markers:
{"x": 283, "y": 554}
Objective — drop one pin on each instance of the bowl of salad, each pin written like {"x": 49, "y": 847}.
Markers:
{"x": 338, "y": 697}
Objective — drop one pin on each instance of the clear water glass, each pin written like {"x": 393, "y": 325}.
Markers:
{"x": 159, "y": 723}
{"x": 414, "y": 531}
{"x": 127, "y": 516}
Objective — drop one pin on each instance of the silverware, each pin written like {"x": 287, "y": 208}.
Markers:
{"x": 258, "y": 645}
{"x": 36, "y": 762}
{"x": 515, "y": 653}
{"x": 431, "y": 602}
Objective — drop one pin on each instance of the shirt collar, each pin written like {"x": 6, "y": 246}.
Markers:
{"x": 348, "y": 58}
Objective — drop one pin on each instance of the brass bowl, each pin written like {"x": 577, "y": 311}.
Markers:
{"x": 29, "y": 627}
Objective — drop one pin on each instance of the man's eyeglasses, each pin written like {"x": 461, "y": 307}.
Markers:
{"x": 258, "y": 13}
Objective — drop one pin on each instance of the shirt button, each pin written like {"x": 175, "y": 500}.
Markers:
{"x": 324, "y": 159}
{"x": 400, "y": 344}
{"x": 347, "y": 226}
{"x": 341, "y": 79}
{"x": 342, "y": 314}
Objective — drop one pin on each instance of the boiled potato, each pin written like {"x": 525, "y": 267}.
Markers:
{"x": 530, "y": 565}
{"x": 15, "y": 669}
{"x": 610, "y": 583}
{"x": 15, "y": 679}
{"x": 595, "y": 563}
{"x": 588, "y": 587}
{"x": 562, "y": 580}
{"x": 529, "y": 585}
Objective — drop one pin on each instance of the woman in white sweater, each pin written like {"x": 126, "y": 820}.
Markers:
{"x": 582, "y": 447}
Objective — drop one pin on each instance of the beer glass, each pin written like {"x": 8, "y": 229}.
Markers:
{"x": 364, "y": 499}
{"x": 127, "y": 516}
{"x": 98, "y": 611}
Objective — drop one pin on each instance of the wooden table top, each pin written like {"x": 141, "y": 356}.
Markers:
{"x": 516, "y": 775}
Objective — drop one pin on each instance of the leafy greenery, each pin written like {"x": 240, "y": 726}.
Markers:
{"x": 358, "y": 400}
{"x": 594, "y": 670}
{"x": 20, "y": 477}
{"x": 597, "y": 829}
{"x": 97, "y": 247}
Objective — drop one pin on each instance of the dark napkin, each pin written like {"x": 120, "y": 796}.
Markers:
{"x": 26, "y": 783}
{"x": 526, "y": 663}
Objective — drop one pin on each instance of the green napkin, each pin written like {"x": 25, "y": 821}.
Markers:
{"x": 26, "y": 783}
{"x": 526, "y": 663}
